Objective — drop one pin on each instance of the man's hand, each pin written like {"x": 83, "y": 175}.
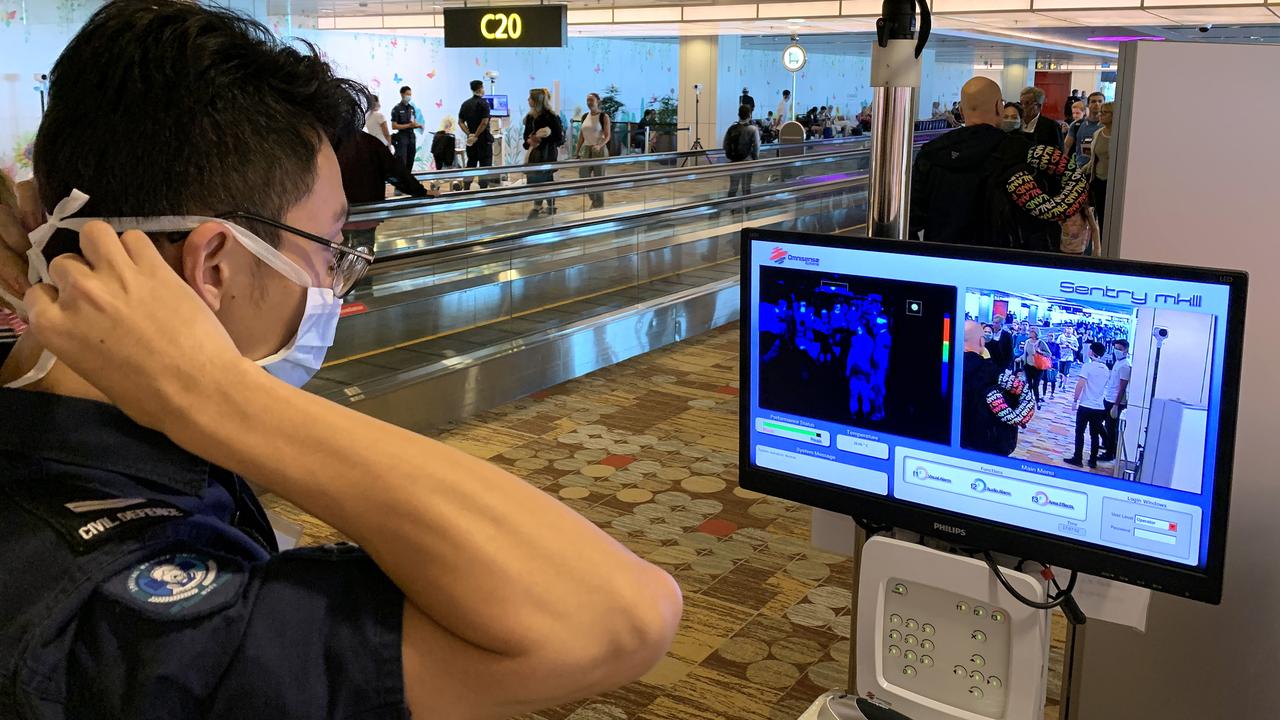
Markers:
{"x": 123, "y": 320}
{"x": 15, "y": 224}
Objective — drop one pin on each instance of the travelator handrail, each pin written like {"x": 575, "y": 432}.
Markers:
{"x": 531, "y": 237}
{"x": 574, "y": 164}
{"x": 526, "y": 193}
{"x": 398, "y": 209}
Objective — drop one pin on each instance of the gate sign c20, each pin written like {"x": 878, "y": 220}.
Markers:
{"x": 520, "y": 26}
{"x": 794, "y": 58}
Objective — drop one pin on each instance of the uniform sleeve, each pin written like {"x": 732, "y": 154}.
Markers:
{"x": 312, "y": 633}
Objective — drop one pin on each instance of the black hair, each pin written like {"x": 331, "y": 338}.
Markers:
{"x": 786, "y": 93}
{"x": 404, "y": 89}
{"x": 242, "y": 135}
{"x": 1122, "y": 344}
{"x": 1098, "y": 348}
{"x": 1098, "y": 93}
{"x": 476, "y": 85}
{"x": 744, "y": 112}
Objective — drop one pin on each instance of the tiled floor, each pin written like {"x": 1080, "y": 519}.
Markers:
{"x": 1051, "y": 435}
{"x": 647, "y": 450}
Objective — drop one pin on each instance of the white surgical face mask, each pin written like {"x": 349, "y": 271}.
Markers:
{"x": 1011, "y": 125}
{"x": 295, "y": 363}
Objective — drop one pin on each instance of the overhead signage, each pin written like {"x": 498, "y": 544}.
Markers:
{"x": 521, "y": 26}
{"x": 794, "y": 58}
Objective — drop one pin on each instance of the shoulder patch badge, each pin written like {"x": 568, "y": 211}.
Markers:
{"x": 180, "y": 584}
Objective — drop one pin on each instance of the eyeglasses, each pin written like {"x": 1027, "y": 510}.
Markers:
{"x": 350, "y": 264}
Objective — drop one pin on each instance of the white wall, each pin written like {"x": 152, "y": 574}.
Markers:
{"x": 1086, "y": 80}
{"x": 1206, "y": 205}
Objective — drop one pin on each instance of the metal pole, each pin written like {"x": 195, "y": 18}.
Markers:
{"x": 895, "y": 75}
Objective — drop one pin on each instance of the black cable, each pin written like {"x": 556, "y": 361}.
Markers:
{"x": 1063, "y": 599}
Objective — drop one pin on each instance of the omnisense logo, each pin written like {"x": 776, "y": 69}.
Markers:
{"x": 780, "y": 256}
{"x": 1133, "y": 297}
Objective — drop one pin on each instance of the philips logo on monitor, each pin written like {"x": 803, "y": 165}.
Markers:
{"x": 780, "y": 256}
{"x": 1134, "y": 297}
{"x": 950, "y": 529}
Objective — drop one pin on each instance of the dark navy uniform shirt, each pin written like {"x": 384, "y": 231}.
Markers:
{"x": 403, "y": 114}
{"x": 139, "y": 581}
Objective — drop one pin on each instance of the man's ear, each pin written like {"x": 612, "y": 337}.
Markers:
{"x": 206, "y": 263}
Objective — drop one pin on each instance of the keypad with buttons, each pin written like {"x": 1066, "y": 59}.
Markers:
{"x": 927, "y": 630}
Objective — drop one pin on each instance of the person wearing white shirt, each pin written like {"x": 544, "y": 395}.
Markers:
{"x": 1116, "y": 397}
{"x": 783, "y": 114}
{"x": 376, "y": 123}
{"x": 1090, "y": 406}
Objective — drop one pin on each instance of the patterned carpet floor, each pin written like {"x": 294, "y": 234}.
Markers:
{"x": 647, "y": 450}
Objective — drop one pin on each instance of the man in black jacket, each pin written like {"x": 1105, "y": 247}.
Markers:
{"x": 1042, "y": 130}
{"x": 958, "y": 177}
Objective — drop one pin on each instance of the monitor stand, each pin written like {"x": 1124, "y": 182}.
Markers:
{"x": 937, "y": 638}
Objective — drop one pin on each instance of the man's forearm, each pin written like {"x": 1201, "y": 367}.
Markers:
{"x": 487, "y": 556}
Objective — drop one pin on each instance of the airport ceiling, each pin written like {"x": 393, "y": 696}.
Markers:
{"x": 1069, "y": 31}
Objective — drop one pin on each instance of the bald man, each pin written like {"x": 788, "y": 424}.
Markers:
{"x": 980, "y": 428}
{"x": 957, "y": 178}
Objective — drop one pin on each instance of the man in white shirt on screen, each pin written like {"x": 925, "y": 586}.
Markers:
{"x": 1116, "y": 397}
{"x": 783, "y": 114}
{"x": 1090, "y": 406}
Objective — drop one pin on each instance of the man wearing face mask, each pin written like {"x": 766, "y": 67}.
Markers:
{"x": 1116, "y": 398}
{"x": 959, "y": 176}
{"x": 162, "y": 368}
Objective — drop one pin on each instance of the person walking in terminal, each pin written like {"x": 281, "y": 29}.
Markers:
{"x": 741, "y": 144}
{"x": 783, "y": 112}
{"x": 543, "y": 135}
{"x": 1116, "y": 397}
{"x": 151, "y": 582}
{"x": 473, "y": 118}
{"x": 593, "y": 143}
{"x": 404, "y": 122}
{"x": 1090, "y": 406}
{"x": 1100, "y": 162}
{"x": 1036, "y": 360}
{"x": 1042, "y": 130}
{"x": 1080, "y": 141}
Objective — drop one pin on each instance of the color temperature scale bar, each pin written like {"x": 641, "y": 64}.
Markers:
{"x": 946, "y": 353}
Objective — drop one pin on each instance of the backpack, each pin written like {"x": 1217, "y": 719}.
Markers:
{"x": 737, "y": 142}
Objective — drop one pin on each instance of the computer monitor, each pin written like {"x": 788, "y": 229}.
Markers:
{"x": 498, "y": 105}
{"x": 891, "y": 381}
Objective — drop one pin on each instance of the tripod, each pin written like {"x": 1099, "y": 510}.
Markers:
{"x": 697, "y": 131}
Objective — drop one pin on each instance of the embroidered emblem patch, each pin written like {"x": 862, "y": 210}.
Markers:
{"x": 177, "y": 581}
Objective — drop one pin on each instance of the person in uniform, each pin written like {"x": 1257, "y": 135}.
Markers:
{"x": 474, "y": 119}
{"x": 404, "y": 121}
{"x": 161, "y": 373}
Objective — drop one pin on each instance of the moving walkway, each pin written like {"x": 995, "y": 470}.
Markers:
{"x": 462, "y": 313}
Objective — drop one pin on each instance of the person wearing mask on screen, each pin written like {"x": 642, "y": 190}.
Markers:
{"x": 1080, "y": 141}
{"x": 161, "y": 374}
{"x": 593, "y": 143}
{"x": 474, "y": 119}
{"x": 376, "y": 123}
{"x": 404, "y": 122}
{"x": 1116, "y": 397}
{"x": 1042, "y": 130}
{"x": 782, "y": 114}
{"x": 1090, "y": 406}
{"x": 543, "y": 135}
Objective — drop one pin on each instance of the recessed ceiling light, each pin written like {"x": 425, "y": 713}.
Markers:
{"x": 796, "y": 20}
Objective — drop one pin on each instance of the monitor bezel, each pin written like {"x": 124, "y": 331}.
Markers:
{"x": 493, "y": 110}
{"x": 1196, "y": 583}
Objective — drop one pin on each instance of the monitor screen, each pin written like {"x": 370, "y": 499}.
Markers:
{"x": 1074, "y": 411}
{"x": 498, "y": 105}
